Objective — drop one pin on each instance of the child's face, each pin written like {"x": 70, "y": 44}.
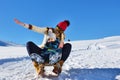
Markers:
{"x": 51, "y": 40}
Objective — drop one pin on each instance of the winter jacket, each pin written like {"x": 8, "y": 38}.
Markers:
{"x": 59, "y": 34}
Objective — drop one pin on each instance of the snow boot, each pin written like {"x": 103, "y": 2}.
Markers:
{"x": 58, "y": 67}
{"x": 39, "y": 68}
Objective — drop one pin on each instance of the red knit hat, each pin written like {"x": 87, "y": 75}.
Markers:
{"x": 63, "y": 25}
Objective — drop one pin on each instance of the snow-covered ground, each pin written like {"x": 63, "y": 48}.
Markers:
{"x": 89, "y": 60}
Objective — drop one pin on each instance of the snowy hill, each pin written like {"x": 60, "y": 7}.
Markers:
{"x": 89, "y": 60}
{"x": 4, "y": 43}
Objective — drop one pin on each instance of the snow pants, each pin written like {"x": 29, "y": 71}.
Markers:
{"x": 33, "y": 48}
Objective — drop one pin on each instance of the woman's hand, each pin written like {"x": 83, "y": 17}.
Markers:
{"x": 61, "y": 45}
{"x": 19, "y": 22}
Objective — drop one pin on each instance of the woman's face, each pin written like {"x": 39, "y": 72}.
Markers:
{"x": 59, "y": 30}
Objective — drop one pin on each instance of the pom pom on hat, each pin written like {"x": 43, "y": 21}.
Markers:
{"x": 63, "y": 25}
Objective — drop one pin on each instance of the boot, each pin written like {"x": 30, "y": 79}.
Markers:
{"x": 41, "y": 69}
{"x": 58, "y": 67}
{"x": 38, "y": 67}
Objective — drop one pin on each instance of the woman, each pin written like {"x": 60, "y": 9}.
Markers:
{"x": 33, "y": 48}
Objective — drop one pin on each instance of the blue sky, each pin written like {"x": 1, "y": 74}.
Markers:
{"x": 90, "y": 19}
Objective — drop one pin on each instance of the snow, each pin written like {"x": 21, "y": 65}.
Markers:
{"x": 89, "y": 60}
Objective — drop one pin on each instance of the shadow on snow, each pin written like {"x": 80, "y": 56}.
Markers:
{"x": 91, "y": 74}
{"x": 2, "y": 61}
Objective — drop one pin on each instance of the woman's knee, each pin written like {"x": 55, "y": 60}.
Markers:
{"x": 68, "y": 45}
{"x": 29, "y": 43}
